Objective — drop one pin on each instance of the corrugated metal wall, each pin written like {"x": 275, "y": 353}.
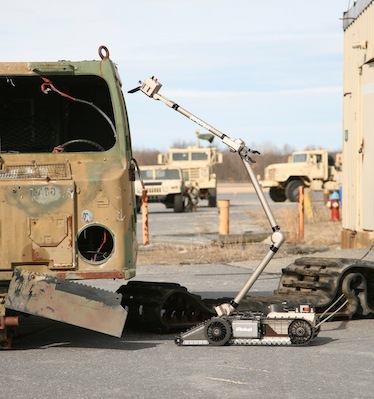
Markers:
{"x": 358, "y": 119}
{"x": 367, "y": 151}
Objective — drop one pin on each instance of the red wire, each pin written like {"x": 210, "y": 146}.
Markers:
{"x": 98, "y": 250}
{"x": 48, "y": 84}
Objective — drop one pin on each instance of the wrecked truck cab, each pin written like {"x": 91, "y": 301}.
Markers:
{"x": 66, "y": 180}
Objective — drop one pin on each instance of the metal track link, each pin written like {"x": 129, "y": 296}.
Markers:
{"x": 242, "y": 342}
{"x": 261, "y": 342}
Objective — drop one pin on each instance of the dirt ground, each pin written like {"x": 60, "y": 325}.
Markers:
{"x": 319, "y": 234}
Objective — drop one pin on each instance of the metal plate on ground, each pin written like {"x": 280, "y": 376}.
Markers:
{"x": 43, "y": 295}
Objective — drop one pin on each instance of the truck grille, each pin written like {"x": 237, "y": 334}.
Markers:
{"x": 154, "y": 190}
{"x": 36, "y": 171}
{"x": 193, "y": 174}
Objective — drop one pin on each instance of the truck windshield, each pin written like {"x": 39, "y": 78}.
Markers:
{"x": 199, "y": 156}
{"x": 167, "y": 174}
{"x": 299, "y": 157}
{"x": 180, "y": 156}
{"x": 161, "y": 174}
{"x": 146, "y": 175}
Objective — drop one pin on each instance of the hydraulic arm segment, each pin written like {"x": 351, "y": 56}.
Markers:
{"x": 284, "y": 327}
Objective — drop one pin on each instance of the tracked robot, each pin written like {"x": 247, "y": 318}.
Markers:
{"x": 281, "y": 324}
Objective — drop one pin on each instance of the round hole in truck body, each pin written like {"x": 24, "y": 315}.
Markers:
{"x": 95, "y": 243}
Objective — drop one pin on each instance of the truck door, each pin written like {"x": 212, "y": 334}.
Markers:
{"x": 318, "y": 162}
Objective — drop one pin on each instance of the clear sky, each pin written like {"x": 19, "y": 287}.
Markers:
{"x": 268, "y": 72}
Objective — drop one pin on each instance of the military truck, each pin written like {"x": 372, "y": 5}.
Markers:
{"x": 197, "y": 166}
{"x": 66, "y": 183}
{"x": 315, "y": 169}
{"x": 164, "y": 184}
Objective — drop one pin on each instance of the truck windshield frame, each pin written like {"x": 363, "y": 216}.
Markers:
{"x": 33, "y": 121}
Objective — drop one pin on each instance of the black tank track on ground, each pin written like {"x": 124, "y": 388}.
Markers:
{"x": 162, "y": 307}
{"x": 320, "y": 282}
{"x": 167, "y": 307}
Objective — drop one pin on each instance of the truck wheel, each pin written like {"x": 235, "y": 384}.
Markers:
{"x": 178, "y": 203}
{"x": 212, "y": 201}
{"x": 277, "y": 194}
{"x": 212, "y": 197}
{"x": 292, "y": 190}
{"x": 138, "y": 204}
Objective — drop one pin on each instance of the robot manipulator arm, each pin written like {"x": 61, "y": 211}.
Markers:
{"x": 151, "y": 87}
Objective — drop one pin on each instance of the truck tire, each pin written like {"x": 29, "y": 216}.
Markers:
{"x": 292, "y": 190}
{"x": 212, "y": 198}
{"x": 178, "y": 203}
{"x": 212, "y": 201}
{"x": 138, "y": 204}
{"x": 277, "y": 194}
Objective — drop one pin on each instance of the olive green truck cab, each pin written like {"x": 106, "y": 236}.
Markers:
{"x": 67, "y": 192}
{"x": 315, "y": 169}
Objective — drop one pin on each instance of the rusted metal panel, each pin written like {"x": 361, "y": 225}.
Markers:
{"x": 67, "y": 274}
{"x": 52, "y": 239}
{"x": 89, "y": 275}
{"x": 39, "y": 215}
{"x": 61, "y": 300}
{"x": 6, "y": 321}
{"x": 8, "y": 326}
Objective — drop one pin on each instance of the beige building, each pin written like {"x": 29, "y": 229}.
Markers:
{"x": 358, "y": 126}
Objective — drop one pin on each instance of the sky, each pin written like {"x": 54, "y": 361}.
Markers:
{"x": 268, "y": 72}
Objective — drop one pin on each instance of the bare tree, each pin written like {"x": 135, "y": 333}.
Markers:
{"x": 146, "y": 157}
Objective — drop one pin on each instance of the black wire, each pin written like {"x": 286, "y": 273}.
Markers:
{"x": 367, "y": 253}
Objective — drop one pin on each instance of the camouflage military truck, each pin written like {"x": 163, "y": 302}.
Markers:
{"x": 68, "y": 210}
{"x": 315, "y": 169}
{"x": 66, "y": 183}
{"x": 197, "y": 166}
{"x": 164, "y": 184}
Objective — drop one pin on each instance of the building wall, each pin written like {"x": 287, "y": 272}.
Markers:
{"x": 358, "y": 126}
